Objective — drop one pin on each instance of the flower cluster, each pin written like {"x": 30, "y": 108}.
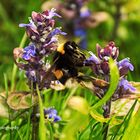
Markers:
{"x": 43, "y": 41}
{"x": 51, "y": 115}
{"x": 76, "y": 13}
{"x": 41, "y": 31}
{"x": 79, "y": 29}
{"x": 100, "y": 66}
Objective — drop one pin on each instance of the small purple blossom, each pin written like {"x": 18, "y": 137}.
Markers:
{"x": 31, "y": 24}
{"x": 31, "y": 75}
{"x": 56, "y": 31}
{"x": 51, "y": 114}
{"x": 126, "y": 85}
{"x": 84, "y": 13}
{"x": 29, "y": 52}
{"x": 125, "y": 63}
{"x": 82, "y": 34}
{"x": 125, "y": 66}
{"x": 92, "y": 59}
{"x": 52, "y": 13}
{"x": 52, "y": 40}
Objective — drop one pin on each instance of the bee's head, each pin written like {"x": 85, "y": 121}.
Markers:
{"x": 67, "y": 47}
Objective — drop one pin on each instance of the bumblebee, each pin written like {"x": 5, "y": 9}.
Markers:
{"x": 67, "y": 59}
{"x": 66, "y": 62}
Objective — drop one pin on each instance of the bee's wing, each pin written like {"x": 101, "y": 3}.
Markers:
{"x": 78, "y": 58}
{"x": 96, "y": 82}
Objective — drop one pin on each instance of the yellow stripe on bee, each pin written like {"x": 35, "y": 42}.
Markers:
{"x": 58, "y": 74}
{"x": 60, "y": 49}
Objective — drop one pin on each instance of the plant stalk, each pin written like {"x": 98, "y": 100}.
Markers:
{"x": 35, "y": 124}
{"x": 106, "y": 114}
{"x": 117, "y": 18}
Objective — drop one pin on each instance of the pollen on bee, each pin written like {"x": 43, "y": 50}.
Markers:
{"x": 58, "y": 74}
{"x": 61, "y": 49}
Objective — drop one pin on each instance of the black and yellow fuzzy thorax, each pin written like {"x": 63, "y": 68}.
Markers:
{"x": 67, "y": 60}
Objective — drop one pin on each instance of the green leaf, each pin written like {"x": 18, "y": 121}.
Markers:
{"x": 114, "y": 79}
{"x": 124, "y": 124}
{"x": 132, "y": 132}
{"x": 98, "y": 116}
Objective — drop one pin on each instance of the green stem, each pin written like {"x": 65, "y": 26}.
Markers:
{"x": 51, "y": 131}
{"x": 42, "y": 128}
{"x": 35, "y": 125}
{"x": 6, "y": 89}
{"x": 14, "y": 72}
{"x": 67, "y": 98}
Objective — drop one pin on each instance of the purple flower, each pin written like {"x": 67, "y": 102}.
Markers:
{"x": 80, "y": 32}
{"x": 105, "y": 67}
{"x": 109, "y": 51}
{"x": 84, "y": 13}
{"x": 80, "y": 2}
{"x": 124, "y": 66}
{"x": 126, "y": 85}
{"x": 31, "y": 24}
{"x": 31, "y": 75}
{"x": 52, "y": 40}
{"x": 83, "y": 43}
{"x": 54, "y": 32}
{"x": 52, "y": 13}
{"x": 93, "y": 59}
{"x": 29, "y": 52}
{"x": 51, "y": 114}
{"x": 125, "y": 63}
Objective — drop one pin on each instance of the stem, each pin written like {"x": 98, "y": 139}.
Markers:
{"x": 106, "y": 114}
{"x": 117, "y": 18}
{"x": 35, "y": 124}
{"x": 42, "y": 127}
{"x": 9, "y": 114}
{"x": 51, "y": 131}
